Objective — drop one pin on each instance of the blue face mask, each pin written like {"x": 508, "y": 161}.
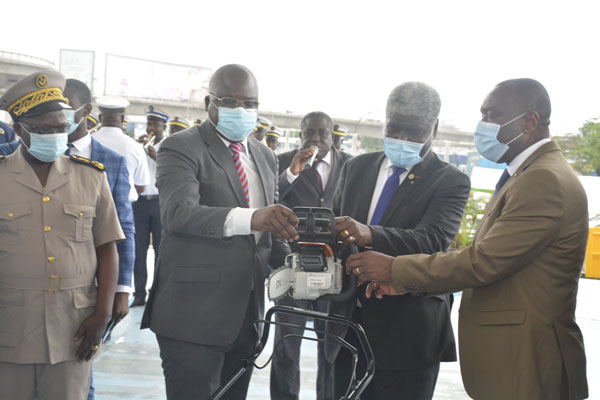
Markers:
{"x": 47, "y": 147}
{"x": 236, "y": 123}
{"x": 70, "y": 115}
{"x": 402, "y": 153}
{"x": 486, "y": 139}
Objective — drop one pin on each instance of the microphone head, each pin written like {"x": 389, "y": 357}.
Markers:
{"x": 311, "y": 160}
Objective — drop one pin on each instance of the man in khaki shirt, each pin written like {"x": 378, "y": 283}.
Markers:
{"x": 58, "y": 229}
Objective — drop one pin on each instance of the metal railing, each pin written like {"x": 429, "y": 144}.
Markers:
{"x": 25, "y": 57}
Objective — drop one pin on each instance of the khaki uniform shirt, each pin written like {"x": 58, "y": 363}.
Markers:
{"x": 48, "y": 241}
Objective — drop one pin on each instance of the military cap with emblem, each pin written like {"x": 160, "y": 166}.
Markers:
{"x": 112, "y": 102}
{"x": 153, "y": 112}
{"x": 198, "y": 121}
{"x": 179, "y": 121}
{"x": 274, "y": 132}
{"x": 35, "y": 94}
{"x": 262, "y": 122}
{"x": 340, "y": 130}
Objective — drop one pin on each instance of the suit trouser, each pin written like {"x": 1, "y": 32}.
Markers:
{"x": 413, "y": 384}
{"x": 194, "y": 371}
{"x": 285, "y": 368}
{"x": 67, "y": 380}
{"x": 146, "y": 215}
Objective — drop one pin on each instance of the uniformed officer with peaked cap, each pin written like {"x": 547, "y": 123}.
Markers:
{"x": 58, "y": 228}
{"x": 339, "y": 133}
{"x": 93, "y": 122}
{"x": 262, "y": 125}
{"x": 177, "y": 123}
{"x": 273, "y": 136}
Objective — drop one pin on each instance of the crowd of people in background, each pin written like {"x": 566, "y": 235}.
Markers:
{"x": 82, "y": 202}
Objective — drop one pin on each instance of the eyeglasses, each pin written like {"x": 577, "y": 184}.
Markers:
{"x": 322, "y": 133}
{"x": 42, "y": 130}
{"x": 230, "y": 102}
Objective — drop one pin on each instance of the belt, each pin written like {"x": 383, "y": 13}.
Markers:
{"x": 50, "y": 283}
{"x": 148, "y": 197}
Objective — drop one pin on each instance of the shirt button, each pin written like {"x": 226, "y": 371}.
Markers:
{"x": 47, "y": 228}
{"x": 51, "y": 259}
{"x": 45, "y": 199}
{"x": 10, "y": 215}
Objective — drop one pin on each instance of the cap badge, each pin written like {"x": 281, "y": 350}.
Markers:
{"x": 41, "y": 80}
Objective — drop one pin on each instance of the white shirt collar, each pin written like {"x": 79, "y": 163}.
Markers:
{"x": 514, "y": 165}
{"x": 327, "y": 158}
{"x": 387, "y": 164}
{"x": 83, "y": 143}
{"x": 227, "y": 143}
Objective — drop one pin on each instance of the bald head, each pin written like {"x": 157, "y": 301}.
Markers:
{"x": 413, "y": 106}
{"x": 527, "y": 95}
{"x": 233, "y": 78}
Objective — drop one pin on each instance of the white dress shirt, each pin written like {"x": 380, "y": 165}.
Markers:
{"x": 82, "y": 147}
{"x": 514, "y": 165}
{"x": 385, "y": 170}
{"x": 239, "y": 219}
{"x": 151, "y": 189}
{"x": 134, "y": 154}
{"x": 323, "y": 168}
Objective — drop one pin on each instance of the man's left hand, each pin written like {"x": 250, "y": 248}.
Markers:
{"x": 349, "y": 230}
{"x": 120, "y": 306}
{"x": 370, "y": 266}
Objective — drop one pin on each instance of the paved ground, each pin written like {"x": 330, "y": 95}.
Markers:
{"x": 129, "y": 366}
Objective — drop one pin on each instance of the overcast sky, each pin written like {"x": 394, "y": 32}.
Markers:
{"x": 343, "y": 57}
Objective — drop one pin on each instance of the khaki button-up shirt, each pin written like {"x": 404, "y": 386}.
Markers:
{"x": 48, "y": 241}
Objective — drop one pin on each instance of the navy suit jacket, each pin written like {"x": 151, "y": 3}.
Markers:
{"x": 406, "y": 332}
{"x": 118, "y": 180}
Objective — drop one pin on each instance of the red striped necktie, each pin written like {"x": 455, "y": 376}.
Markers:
{"x": 236, "y": 148}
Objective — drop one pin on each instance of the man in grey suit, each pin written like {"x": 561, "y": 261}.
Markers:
{"x": 218, "y": 188}
{"x": 312, "y": 187}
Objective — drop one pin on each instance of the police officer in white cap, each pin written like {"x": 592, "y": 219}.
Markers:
{"x": 58, "y": 258}
{"x": 112, "y": 115}
{"x": 177, "y": 124}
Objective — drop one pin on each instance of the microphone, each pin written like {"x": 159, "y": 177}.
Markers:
{"x": 311, "y": 160}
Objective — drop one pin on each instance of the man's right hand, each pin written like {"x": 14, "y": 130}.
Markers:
{"x": 277, "y": 219}
{"x": 299, "y": 160}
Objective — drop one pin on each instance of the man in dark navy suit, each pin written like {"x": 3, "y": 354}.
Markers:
{"x": 313, "y": 187}
{"x": 403, "y": 200}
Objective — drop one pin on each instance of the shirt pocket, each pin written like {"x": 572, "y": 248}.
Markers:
{"x": 15, "y": 223}
{"x": 81, "y": 220}
{"x": 11, "y": 317}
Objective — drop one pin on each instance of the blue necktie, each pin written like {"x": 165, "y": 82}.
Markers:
{"x": 502, "y": 181}
{"x": 389, "y": 189}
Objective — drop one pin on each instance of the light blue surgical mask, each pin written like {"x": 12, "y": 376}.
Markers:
{"x": 402, "y": 153}
{"x": 486, "y": 139}
{"x": 48, "y": 147}
{"x": 70, "y": 115}
{"x": 236, "y": 123}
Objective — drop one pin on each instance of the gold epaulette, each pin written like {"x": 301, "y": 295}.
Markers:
{"x": 85, "y": 161}
{"x": 2, "y": 157}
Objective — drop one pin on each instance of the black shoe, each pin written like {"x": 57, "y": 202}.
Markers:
{"x": 137, "y": 301}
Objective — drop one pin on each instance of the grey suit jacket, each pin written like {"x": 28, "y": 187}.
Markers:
{"x": 305, "y": 191}
{"x": 203, "y": 280}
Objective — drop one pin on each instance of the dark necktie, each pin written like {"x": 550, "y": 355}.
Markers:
{"x": 236, "y": 148}
{"x": 502, "y": 181}
{"x": 318, "y": 175}
{"x": 389, "y": 189}
{"x": 69, "y": 148}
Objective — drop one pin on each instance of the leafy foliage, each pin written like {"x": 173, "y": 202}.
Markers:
{"x": 472, "y": 216}
{"x": 583, "y": 149}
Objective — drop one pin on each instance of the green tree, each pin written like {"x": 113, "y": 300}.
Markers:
{"x": 371, "y": 144}
{"x": 582, "y": 149}
{"x": 472, "y": 216}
